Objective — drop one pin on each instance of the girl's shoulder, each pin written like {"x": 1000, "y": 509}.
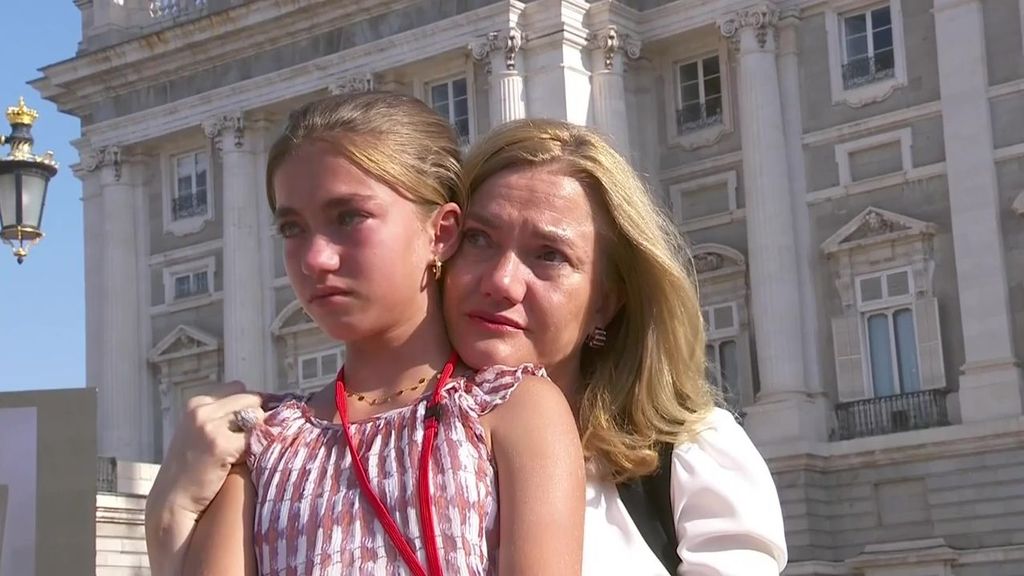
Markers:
{"x": 490, "y": 387}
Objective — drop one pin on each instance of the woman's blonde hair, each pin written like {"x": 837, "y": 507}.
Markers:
{"x": 396, "y": 139}
{"x": 647, "y": 384}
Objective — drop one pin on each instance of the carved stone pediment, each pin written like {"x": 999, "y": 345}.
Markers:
{"x": 293, "y": 318}
{"x": 181, "y": 342}
{"x": 875, "y": 225}
{"x": 716, "y": 258}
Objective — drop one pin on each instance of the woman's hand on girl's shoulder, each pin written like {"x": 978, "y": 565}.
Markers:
{"x": 541, "y": 478}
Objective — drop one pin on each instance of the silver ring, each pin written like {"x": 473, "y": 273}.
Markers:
{"x": 245, "y": 419}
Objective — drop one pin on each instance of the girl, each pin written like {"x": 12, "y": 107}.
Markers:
{"x": 394, "y": 469}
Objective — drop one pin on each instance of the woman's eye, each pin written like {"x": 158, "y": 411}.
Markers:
{"x": 288, "y": 229}
{"x": 474, "y": 238}
{"x": 553, "y": 256}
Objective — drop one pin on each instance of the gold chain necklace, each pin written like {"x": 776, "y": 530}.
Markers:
{"x": 360, "y": 397}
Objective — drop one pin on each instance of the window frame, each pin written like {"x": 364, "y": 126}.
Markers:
{"x": 869, "y": 34}
{"x": 886, "y": 301}
{"x": 189, "y": 224}
{"x": 702, "y": 96}
{"x": 173, "y": 272}
{"x": 467, "y": 140}
{"x": 890, "y": 314}
{"x": 887, "y": 305}
{"x": 304, "y": 384}
{"x": 861, "y": 95}
{"x": 711, "y": 134}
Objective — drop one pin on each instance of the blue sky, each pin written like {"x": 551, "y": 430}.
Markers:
{"x": 42, "y": 302}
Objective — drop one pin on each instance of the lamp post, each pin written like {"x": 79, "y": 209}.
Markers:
{"x": 23, "y": 181}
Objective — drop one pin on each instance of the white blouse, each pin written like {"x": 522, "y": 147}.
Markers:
{"x": 727, "y": 514}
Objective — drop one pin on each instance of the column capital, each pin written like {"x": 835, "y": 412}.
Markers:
{"x": 506, "y": 43}
{"x": 611, "y": 42}
{"x": 351, "y": 84}
{"x": 102, "y": 157}
{"x": 761, "y": 19}
{"x": 216, "y": 128}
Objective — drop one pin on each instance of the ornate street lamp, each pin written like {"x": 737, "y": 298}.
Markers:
{"x": 23, "y": 180}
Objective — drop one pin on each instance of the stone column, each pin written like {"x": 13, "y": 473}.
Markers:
{"x": 782, "y": 412}
{"x": 608, "y": 87}
{"x": 121, "y": 393}
{"x": 991, "y": 380}
{"x": 240, "y": 143}
{"x": 499, "y": 51}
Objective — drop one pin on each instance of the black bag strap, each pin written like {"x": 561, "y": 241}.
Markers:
{"x": 649, "y": 503}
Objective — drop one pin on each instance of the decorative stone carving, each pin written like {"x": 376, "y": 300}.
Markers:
{"x": 707, "y": 262}
{"x": 104, "y": 156}
{"x": 508, "y": 42}
{"x": 610, "y": 41}
{"x": 352, "y": 84}
{"x": 181, "y": 342}
{"x": 875, "y": 225}
{"x": 762, "y": 19}
{"x": 216, "y": 126}
{"x": 715, "y": 257}
{"x": 1018, "y": 205}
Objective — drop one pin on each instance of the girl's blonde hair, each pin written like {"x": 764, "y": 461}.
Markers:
{"x": 396, "y": 139}
{"x": 647, "y": 384}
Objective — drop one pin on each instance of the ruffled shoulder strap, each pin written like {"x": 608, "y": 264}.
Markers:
{"x": 492, "y": 386}
{"x": 281, "y": 410}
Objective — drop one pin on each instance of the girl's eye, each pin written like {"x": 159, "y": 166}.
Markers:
{"x": 288, "y": 229}
{"x": 350, "y": 218}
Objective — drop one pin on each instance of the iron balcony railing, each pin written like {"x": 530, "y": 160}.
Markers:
{"x": 868, "y": 70}
{"x": 891, "y": 414}
{"x": 188, "y": 205}
{"x": 106, "y": 474}
{"x": 697, "y": 115}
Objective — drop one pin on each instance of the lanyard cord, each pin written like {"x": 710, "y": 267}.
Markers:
{"x": 425, "y": 505}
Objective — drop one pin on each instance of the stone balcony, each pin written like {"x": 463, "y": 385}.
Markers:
{"x": 109, "y": 22}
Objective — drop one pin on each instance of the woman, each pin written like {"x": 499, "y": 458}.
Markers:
{"x": 566, "y": 261}
{"x": 350, "y": 480}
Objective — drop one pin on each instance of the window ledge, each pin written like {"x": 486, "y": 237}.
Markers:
{"x": 713, "y": 220}
{"x": 868, "y": 93}
{"x": 186, "y": 226}
{"x": 702, "y": 137}
{"x": 188, "y": 303}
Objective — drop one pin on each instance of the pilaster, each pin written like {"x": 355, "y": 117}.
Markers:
{"x": 991, "y": 381}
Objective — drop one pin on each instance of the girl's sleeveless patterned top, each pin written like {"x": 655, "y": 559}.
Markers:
{"x": 311, "y": 516}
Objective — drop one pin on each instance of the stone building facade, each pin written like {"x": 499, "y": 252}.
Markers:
{"x": 850, "y": 174}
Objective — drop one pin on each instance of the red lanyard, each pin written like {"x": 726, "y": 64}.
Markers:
{"x": 425, "y": 504}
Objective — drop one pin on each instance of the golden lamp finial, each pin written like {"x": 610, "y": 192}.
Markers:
{"x": 21, "y": 114}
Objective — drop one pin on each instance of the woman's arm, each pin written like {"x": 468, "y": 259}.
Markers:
{"x": 541, "y": 481}
{"x": 222, "y": 544}
{"x": 727, "y": 513}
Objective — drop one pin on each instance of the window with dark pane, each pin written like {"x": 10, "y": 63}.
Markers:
{"x": 451, "y": 100}
{"x": 190, "y": 185}
{"x": 700, "y": 94}
{"x": 868, "y": 52}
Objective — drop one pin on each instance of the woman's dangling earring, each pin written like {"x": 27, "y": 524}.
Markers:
{"x": 435, "y": 266}
{"x": 597, "y": 338}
